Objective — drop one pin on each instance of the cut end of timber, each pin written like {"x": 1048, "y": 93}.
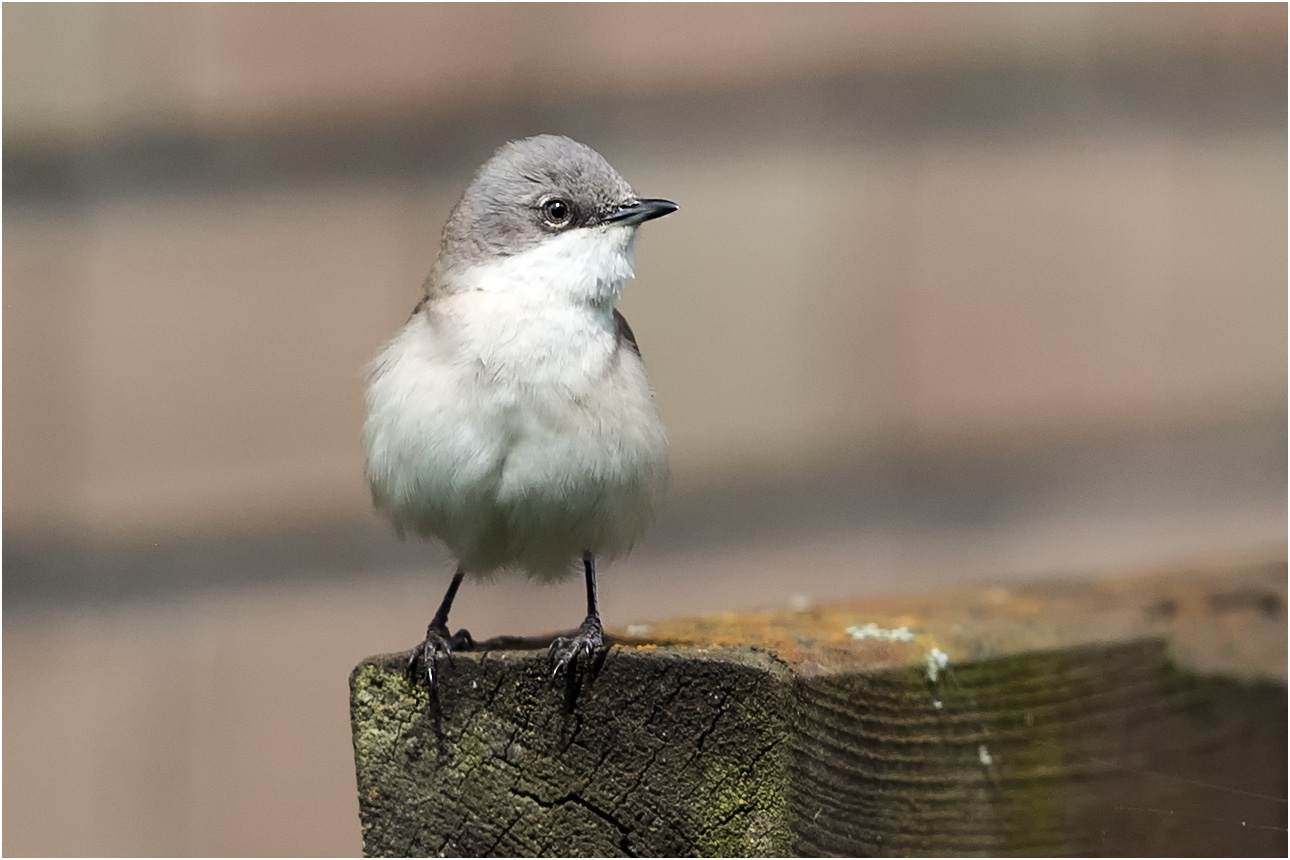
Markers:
{"x": 654, "y": 751}
{"x": 1137, "y": 715}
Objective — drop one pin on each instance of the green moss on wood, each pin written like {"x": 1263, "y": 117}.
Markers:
{"x": 729, "y": 753}
{"x": 643, "y": 756}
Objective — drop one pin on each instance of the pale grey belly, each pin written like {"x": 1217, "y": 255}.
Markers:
{"x": 561, "y": 483}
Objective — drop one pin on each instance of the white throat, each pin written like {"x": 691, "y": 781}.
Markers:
{"x": 587, "y": 266}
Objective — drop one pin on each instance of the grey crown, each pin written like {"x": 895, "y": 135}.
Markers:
{"x": 500, "y": 213}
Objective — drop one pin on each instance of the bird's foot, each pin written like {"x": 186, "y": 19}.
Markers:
{"x": 565, "y": 651}
{"x": 438, "y": 643}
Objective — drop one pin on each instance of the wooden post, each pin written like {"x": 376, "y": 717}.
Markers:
{"x": 1141, "y": 715}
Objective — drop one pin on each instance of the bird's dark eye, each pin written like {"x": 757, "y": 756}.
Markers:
{"x": 557, "y": 211}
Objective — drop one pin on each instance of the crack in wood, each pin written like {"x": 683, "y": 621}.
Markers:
{"x": 676, "y": 751}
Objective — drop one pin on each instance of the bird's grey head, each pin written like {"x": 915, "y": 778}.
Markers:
{"x": 534, "y": 189}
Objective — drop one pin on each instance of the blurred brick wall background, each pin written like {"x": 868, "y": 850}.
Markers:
{"x": 955, "y": 292}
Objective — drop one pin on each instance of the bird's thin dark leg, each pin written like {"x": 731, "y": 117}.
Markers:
{"x": 439, "y": 642}
{"x": 590, "y": 634}
{"x": 589, "y": 572}
{"x": 440, "y": 619}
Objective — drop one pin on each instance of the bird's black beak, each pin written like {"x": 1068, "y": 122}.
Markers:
{"x": 641, "y": 211}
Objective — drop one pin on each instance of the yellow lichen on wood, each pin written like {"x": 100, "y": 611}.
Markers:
{"x": 1049, "y": 719}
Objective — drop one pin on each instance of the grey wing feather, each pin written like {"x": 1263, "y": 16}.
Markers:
{"x": 625, "y": 334}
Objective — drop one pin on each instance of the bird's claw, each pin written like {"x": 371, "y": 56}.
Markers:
{"x": 566, "y": 650}
{"x": 438, "y": 643}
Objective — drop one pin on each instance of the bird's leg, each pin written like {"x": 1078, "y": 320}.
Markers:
{"x": 590, "y": 634}
{"x": 439, "y": 642}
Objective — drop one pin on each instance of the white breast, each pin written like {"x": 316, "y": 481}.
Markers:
{"x": 506, "y": 420}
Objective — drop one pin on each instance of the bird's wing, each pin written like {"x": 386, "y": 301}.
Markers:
{"x": 625, "y": 334}
{"x": 421, "y": 304}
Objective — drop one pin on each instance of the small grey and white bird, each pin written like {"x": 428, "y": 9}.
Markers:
{"x": 511, "y": 417}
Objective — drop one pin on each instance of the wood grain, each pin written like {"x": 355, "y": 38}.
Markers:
{"x": 1139, "y": 715}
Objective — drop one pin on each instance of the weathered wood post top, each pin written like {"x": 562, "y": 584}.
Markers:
{"x": 1137, "y": 715}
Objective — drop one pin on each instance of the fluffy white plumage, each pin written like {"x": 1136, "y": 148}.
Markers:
{"x": 510, "y": 420}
